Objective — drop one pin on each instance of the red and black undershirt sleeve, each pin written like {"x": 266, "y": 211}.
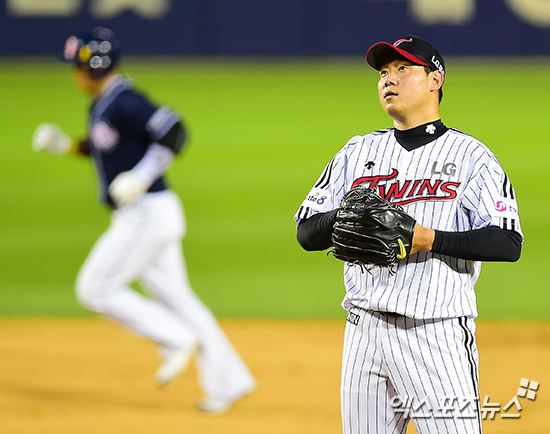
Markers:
{"x": 487, "y": 244}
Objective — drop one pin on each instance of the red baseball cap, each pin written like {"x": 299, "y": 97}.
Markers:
{"x": 413, "y": 48}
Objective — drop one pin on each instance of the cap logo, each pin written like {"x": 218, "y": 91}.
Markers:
{"x": 399, "y": 41}
{"x": 71, "y": 48}
{"x": 438, "y": 65}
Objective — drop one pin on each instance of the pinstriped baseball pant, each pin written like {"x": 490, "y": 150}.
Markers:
{"x": 396, "y": 369}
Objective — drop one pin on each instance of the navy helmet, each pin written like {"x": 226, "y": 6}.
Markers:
{"x": 98, "y": 50}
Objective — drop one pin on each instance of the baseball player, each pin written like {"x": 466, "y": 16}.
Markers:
{"x": 132, "y": 143}
{"x": 409, "y": 349}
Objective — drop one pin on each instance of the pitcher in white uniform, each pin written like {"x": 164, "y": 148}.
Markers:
{"x": 409, "y": 349}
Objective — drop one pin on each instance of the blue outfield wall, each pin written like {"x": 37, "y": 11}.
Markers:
{"x": 279, "y": 27}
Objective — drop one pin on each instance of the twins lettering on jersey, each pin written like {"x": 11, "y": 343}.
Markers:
{"x": 411, "y": 190}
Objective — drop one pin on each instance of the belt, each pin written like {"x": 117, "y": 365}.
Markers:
{"x": 354, "y": 317}
{"x": 388, "y": 314}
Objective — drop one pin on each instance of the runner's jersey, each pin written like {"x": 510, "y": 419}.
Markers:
{"x": 122, "y": 125}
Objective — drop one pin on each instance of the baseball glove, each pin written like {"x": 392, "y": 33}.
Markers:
{"x": 371, "y": 230}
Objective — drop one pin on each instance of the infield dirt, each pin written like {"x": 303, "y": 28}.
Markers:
{"x": 90, "y": 376}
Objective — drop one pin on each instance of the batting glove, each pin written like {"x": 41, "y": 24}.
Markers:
{"x": 51, "y": 138}
{"x": 127, "y": 187}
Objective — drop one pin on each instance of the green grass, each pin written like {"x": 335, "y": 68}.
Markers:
{"x": 261, "y": 132}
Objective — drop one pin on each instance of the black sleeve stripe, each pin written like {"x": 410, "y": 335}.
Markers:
{"x": 303, "y": 213}
{"x": 507, "y": 188}
{"x": 324, "y": 181}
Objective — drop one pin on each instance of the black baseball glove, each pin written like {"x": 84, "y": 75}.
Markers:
{"x": 371, "y": 230}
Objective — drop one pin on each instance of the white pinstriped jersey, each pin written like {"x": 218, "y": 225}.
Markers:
{"x": 453, "y": 183}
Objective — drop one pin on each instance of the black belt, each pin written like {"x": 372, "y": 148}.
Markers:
{"x": 354, "y": 317}
{"x": 388, "y": 314}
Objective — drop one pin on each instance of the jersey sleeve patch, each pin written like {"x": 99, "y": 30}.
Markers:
{"x": 104, "y": 136}
{"x": 506, "y": 208}
{"x": 317, "y": 199}
{"x": 505, "y": 214}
